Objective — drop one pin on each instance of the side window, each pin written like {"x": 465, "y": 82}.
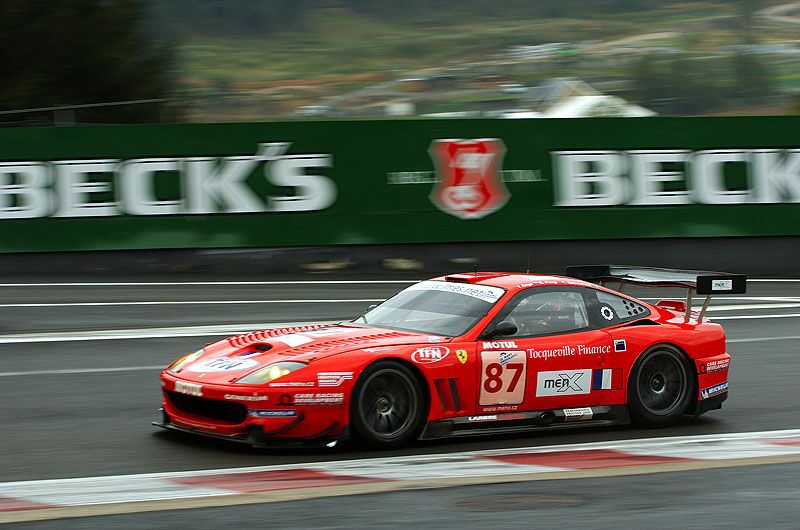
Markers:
{"x": 544, "y": 312}
{"x": 613, "y": 309}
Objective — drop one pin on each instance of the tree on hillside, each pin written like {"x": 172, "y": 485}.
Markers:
{"x": 259, "y": 18}
{"x": 74, "y": 52}
{"x": 689, "y": 85}
{"x": 754, "y": 81}
{"x": 747, "y": 16}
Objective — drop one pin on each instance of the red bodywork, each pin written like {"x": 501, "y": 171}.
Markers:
{"x": 462, "y": 389}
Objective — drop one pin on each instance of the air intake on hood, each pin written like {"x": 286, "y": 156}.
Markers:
{"x": 263, "y": 335}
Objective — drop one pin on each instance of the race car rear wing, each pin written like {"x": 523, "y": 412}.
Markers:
{"x": 702, "y": 282}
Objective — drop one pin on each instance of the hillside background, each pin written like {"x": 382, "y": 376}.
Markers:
{"x": 229, "y": 60}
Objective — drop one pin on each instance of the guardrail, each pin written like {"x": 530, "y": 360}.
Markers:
{"x": 405, "y": 181}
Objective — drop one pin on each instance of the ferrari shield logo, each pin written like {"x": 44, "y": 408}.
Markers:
{"x": 469, "y": 185}
{"x": 462, "y": 356}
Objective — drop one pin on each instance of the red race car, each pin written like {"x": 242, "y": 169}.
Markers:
{"x": 465, "y": 354}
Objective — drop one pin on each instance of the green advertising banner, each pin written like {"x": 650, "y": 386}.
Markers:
{"x": 359, "y": 182}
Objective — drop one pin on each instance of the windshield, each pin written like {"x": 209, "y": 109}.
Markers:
{"x": 439, "y": 308}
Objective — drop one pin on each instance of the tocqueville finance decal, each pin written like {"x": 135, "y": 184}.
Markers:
{"x": 468, "y": 182}
{"x": 207, "y": 184}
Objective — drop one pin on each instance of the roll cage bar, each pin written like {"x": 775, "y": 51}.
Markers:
{"x": 702, "y": 282}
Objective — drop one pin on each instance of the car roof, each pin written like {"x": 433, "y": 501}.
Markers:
{"x": 512, "y": 280}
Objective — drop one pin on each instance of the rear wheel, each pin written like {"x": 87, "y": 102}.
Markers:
{"x": 660, "y": 387}
{"x": 386, "y": 409}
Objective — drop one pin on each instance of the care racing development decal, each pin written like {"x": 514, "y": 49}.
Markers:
{"x": 715, "y": 366}
{"x": 503, "y": 375}
{"x": 714, "y": 390}
{"x": 430, "y": 354}
{"x": 329, "y": 398}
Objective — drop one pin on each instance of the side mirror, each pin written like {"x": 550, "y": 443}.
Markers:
{"x": 504, "y": 328}
{"x": 364, "y": 313}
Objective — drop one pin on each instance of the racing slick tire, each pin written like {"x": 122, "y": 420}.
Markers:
{"x": 660, "y": 388}
{"x": 387, "y": 406}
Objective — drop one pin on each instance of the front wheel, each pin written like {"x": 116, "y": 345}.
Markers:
{"x": 386, "y": 409}
{"x": 660, "y": 387}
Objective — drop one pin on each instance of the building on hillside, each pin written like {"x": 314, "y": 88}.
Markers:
{"x": 601, "y": 105}
{"x": 556, "y": 90}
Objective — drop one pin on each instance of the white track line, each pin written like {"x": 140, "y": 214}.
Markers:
{"x": 193, "y": 302}
{"x": 273, "y": 282}
{"x": 762, "y": 339}
{"x": 52, "y": 338}
{"x": 84, "y": 370}
{"x": 730, "y": 298}
{"x": 147, "y": 333}
{"x": 741, "y": 307}
{"x": 756, "y": 317}
{"x": 795, "y": 302}
{"x": 189, "y": 284}
{"x": 620, "y": 445}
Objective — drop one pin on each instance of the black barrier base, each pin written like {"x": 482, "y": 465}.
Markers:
{"x": 765, "y": 256}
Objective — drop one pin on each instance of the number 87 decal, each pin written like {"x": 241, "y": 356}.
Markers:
{"x": 502, "y": 377}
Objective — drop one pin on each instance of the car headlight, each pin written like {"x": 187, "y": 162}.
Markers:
{"x": 183, "y": 361}
{"x": 270, "y": 373}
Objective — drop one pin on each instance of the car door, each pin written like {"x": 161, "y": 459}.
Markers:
{"x": 555, "y": 360}
{"x": 614, "y": 314}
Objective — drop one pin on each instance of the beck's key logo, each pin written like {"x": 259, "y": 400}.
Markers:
{"x": 469, "y": 185}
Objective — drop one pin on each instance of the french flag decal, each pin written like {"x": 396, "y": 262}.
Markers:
{"x": 602, "y": 379}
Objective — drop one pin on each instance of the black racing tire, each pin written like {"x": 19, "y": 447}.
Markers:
{"x": 661, "y": 387}
{"x": 387, "y": 405}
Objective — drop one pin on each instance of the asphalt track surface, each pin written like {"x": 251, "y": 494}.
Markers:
{"x": 60, "y": 420}
{"x": 749, "y": 497}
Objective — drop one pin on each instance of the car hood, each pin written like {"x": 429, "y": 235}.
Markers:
{"x": 231, "y": 359}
